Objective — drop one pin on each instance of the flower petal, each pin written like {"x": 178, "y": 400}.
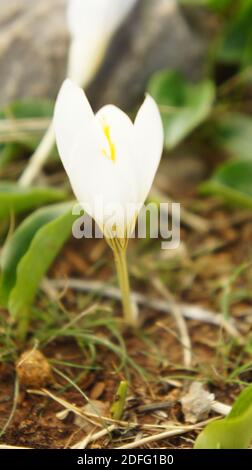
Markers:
{"x": 92, "y": 24}
{"x": 149, "y": 141}
{"x": 94, "y": 177}
{"x": 85, "y": 58}
{"x": 73, "y": 116}
{"x": 119, "y": 127}
{"x": 88, "y": 17}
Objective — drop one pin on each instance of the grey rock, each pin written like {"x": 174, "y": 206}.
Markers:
{"x": 34, "y": 41}
{"x": 156, "y": 36}
{"x": 33, "y": 48}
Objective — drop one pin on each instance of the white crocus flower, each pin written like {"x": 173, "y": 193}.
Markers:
{"x": 92, "y": 24}
{"x": 108, "y": 157}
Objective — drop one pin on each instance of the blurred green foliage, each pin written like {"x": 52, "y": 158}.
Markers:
{"x": 15, "y": 199}
{"x": 224, "y": 123}
{"x": 233, "y": 182}
{"x": 184, "y": 106}
{"x": 23, "y": 141}
{"x": 236, "y": 38}
{"x": 233, "y": 132}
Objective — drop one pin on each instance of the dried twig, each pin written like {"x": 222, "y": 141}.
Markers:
{"x": 192, "y": 312}
{"x": 221, "y": 408}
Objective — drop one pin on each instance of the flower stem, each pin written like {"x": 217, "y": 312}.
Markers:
{"x": 38, "y": 158}
{"x": 119, "y": 251}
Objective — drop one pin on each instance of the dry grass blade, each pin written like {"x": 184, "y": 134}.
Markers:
{"x": 92, "y": 418}
{"x": 14, "y": 406}
{"x": 88, "y": 311}
{"x": 18, "y": 129}
{"x": 163, "y": 435}
{"x": 181, "y": 323}
{"x": 5, "y": 446}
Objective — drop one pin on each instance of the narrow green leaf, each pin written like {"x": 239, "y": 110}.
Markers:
{"x": 44, "y": 246}
{"x": 183, "y": 105}
{"x": 14, "y": 199}
{"x": 232, "y": 182}
{"x": 117, "y": 407}
{"x": 19, "y": 243}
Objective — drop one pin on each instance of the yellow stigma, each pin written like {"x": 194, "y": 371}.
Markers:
{"x": 112, "y": 150}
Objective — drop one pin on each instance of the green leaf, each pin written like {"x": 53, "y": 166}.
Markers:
{"x": 16, "y": 199}
{"x": 27, "y": 109}
{"x": 233, "y": 132}
{"x": 233, "y": 182}
{"x": 7, "y": 153}
{"x": 28, "y": 255}
{"x": 18, "y": 244}
{"x": 242, "y": 405}
{"x": 235, "y": 45}
{"x": 48, "y": 240}
{"x": 183, "y": 105}
{"x": 232, "y": 432}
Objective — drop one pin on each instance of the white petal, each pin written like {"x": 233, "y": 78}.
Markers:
{"x": 73, "y": 116}
{"x": 149, "y": 141}
{"x": 121, "y": 129}
{"x": 86, "y": 16}
{"x": 92, "y": 24}
{"x": 85, "y": 59}
{"x": 121, "y": 132}
{"x": 118, "y": 12}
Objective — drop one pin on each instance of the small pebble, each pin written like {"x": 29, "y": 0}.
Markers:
{"x": 33, "y": 369}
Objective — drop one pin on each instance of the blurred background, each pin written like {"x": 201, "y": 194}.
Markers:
{"x": 203, "y": 47}
{"x": 35, "y": 38}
